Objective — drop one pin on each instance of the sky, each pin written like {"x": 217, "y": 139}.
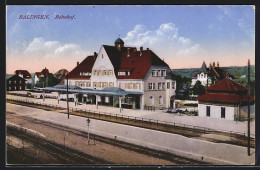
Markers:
{"x": 183, "y": 36}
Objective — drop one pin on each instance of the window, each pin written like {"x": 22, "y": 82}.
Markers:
{"x": 9, "y": 81}
{"x": 103, "y": 84}
{"x": 223, "y": 112}
{"x": 160, "y": 86}
{"x": 164, "y": 73}
{"x": 154, "y": 73}
{"x": 110, "y": 84}
{"x": 95, "y": 72}
{"x": 70, "y": 83}
{"x": 98, "y": 72}
{"x": 163, "y": 85}
{"x": 151, "y": 86}
{"x": 20, "y": 87}
{"x": 14, "y": 87}
{"x": 151, "y": 100}
{"x": 15, "y": 82}
{"x": 208, "y": 111}
{"x": 160, "y": 100}
{"x": 95, "y": 84}
{"x": 99, "y": 84}
{"x": 138, "y": 86}
{"x": 159, "y": 73}
{"x": 131, "y": 86}
{"x": 102, "y": 56}
{"x": 173, "y": 85}
{"x": 168, "y": 85}
{"x": 110, "y": 72}
{"x": 105, "y": 72}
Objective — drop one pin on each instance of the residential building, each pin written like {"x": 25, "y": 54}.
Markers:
{"x": 43, "y": 74}
{"x": 210, "y": 75}
{"x": 225, "y": 99}
{"x": 141, "y": 73}
{"x": 25, "y": 75}
{"x": 15, "y": 83}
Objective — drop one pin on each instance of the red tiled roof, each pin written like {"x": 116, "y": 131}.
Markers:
{"x": 37, "y": 74}
{"x": 85, "y": 66}
{"x": 224, "y": 98}
{"x": 226, "y": 85}
{"x": 138, "y": 65}
{"x": 25, "y": 73}
{"x": 45, "y": 72}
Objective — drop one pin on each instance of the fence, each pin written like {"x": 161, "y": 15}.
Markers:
{"x": 135, "y": 119}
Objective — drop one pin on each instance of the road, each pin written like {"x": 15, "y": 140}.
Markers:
{"x": 189, "y": 147}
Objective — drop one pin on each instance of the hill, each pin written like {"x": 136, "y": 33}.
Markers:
{"x": 237, "y": 71}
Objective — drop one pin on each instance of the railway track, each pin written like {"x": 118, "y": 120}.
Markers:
{"x": 63, "y": 155}
{"x": 238, "y": 139}
{"x": 130, "y": 147}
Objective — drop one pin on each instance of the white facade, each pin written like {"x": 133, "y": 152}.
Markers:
{"x": 202, "y": 77}
{"x": 215, "y": 111}
{"x": 103, "y": 71}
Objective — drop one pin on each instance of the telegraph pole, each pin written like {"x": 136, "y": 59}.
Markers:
{"x": 248, "y": 115}
{"x": 68, "y": 96}
{"x": 88, "y": 122}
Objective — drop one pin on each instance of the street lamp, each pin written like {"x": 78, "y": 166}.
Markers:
{"x": 88, "y": 122}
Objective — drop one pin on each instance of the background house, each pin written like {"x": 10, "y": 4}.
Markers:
{"x": 210, "y": 75}
{"x": 15, "y": 83}
{"x": 25, "y": 75}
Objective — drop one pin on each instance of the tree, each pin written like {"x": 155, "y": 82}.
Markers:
{"x": 49, "y": 81}
{"x": 198, "y": 89}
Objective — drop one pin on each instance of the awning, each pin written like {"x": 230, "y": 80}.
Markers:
{"x": 108, "y": 91}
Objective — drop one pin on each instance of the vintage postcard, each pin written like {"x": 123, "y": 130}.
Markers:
{"x": 130, "y": 85}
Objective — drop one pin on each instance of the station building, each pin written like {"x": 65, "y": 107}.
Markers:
{"x": 143, "y": 79}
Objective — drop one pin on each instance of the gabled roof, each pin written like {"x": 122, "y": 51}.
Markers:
{"x": 85, "y": 66}
{"x": 137, "y": 64}
{"x": 16, "y": 77}
{"x": 226, "y": 85}
{"x": 25, "y": 73}
{"x": 204, "y": 67}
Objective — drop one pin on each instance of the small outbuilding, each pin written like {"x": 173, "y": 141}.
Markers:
{"x": 225, "y": 99}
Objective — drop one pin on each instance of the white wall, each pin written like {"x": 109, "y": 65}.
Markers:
{"x": 103, "y": 63}
{"x": 215, "y": 111}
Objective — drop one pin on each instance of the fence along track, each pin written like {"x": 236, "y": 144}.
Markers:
{"x": 176, "y": 128}
{"x": 131, "y": 147}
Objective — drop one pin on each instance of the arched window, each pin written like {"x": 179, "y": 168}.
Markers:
{"x": 160, "y": 100}
{"x": 151, "y": 100}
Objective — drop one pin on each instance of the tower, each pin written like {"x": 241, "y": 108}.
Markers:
{"x": 119, "y": 44}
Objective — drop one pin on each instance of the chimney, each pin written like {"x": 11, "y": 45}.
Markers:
{"x": 141, "y": 51}
{"x": 134, "y": 49}
{"x": 128, "y": 52}
{"x": 148, "y": 49}
{"x": 95, "y": 55}
{"x": 77, "y": 63}
{"x": 218, "y": 64}
{"x": 210, "y": 66}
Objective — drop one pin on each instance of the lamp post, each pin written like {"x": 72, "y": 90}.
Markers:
{"x": 88, "y": 122}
